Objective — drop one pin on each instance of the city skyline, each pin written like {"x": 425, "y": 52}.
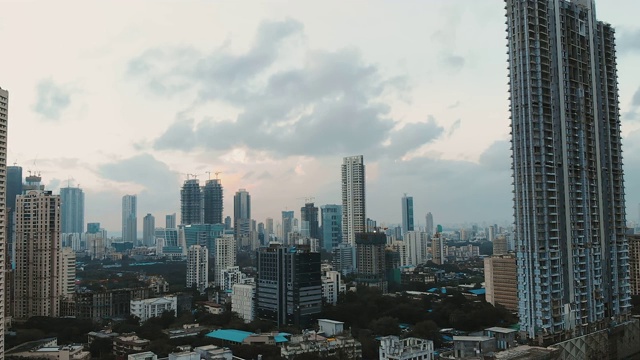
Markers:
{"x": 458, "y": 83}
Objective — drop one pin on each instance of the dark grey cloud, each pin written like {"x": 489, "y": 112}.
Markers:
{"x": 497, "y": 157}
{"x": 413, "y": 136}
{"x": 455, "y": 126}
{"x": 635, "y": 101}
{"x": 329, "y": 104}
{"x": 454, "y": 62}
{"x": 51, "y": 99}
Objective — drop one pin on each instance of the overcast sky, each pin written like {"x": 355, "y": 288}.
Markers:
{"x": 129, "y": 97}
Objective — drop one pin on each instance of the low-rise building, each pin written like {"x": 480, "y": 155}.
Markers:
{"x": 129, "y": 344}
{"x": 185, "y": 355}
{"x": 505, "y": 338}
{"x": 346, "y": 347}
{"x": 243, "y": 301}
{"x": 330, "y": 327}
{"x": 470, "y": 346}
{"x": 147, "y": 308}
{"x": 187, "y": 330}
{"x": 212, "y": 307}
{"x": 147, "y": 355}
{"x": 48, "y": 349}
{"x": 102, "y": 334}
{"x": 212, "y": 352}
{"x": 394, "y": 348}
{"x": 332, "y": 286}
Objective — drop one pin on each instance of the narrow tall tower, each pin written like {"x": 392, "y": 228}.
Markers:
{"x": 572, "y": 255}
{"x": 353, "y": 198}
{"x": 4, "y": 117}
{"x": 309, "y": 219}
{"x": 407, "y": 214}
{"x": 148, "y": 230}
{"x": 241, "y": 213}
{"x": 429, "y": 228}
{"x": 72, "y": 210}
{"x": 191, "y": 202}
{"x": 129, "y": 218}
{"x": 212, "y": 197}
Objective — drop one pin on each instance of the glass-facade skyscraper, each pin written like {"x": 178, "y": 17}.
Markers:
{"x": 407, "y": 214}
{"x": 72, "y": 210}
{"x": 331, "y": 226}
{"x": 572, "y": 255}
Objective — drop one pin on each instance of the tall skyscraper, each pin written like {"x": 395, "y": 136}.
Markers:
{"x": 212, "y": 197}
{"x": 241, "y": 213}
{"x": 287, "y": 226}
{"x": 148, "y": 230}
{"x": 93, "y": 228}
{"x": 191, "y": 202}
{"x": 407, "y": 214}
{"x": 331, "y": 226}
{"x": 370, "y": 260}
{"x": 567, "y": 167}
{"x": 268, "y": 227}
{"x": 14, "y": 188}
{"x": 288, "y": 285}
{"x": 634, "y": 263}
{"x": 198, "y": 268}
{"x": 309, "y": 219}
{"x": 170, "y": 221}
{"x": 38, "y": 255}
{"x": 129, "y": 218}
{"x": 4, "y": 118}
{"x": 429, "y": 228}
{"x": 353, "y": 198}
{"x": 227, "y": 222}
{"x": 72, "y": 210}
{"x": 225, "y": 256}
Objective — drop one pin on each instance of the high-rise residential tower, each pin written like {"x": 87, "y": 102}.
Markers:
{"x": 429, "y": 228}
{"x": 198, "y": 268}
{"x": 129, "y": 218}
{"x": 287, "y": 225}
{"x": 569, "y": 200}
{"x": 38, "y": 255}
{"x": 190, "y": 202}
{"x": 353, "y": 198}
{"x": 4, "y": 117}
{"x": 241, "y": 213}
{"x": 72, "y": 210}
{"x": 148, "y": 230}
{"x": 309, "y": 221}
{"x": 212, "y": 198}
{"x": 407, "y": 214}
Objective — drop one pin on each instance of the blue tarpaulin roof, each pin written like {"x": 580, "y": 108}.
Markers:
{"x": 239, "y": 335}
{"x": 478, "y": 291}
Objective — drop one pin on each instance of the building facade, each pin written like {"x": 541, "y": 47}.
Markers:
{"x": 191, "y": 202}
{"x": 130, "y": 218}
{"x": 407, "y": 214}
{"x": 4, "y": 220}
{"x": 287, "y": 226}
{"x": 198, "y": 268}
{"x": 213, "y": 201}
{"x": 429, "y": 226}
{"x": 72, "y": 210}
{"x": 353, "y": 198}
{"x": 309, "y": 221}
{"x": 38, "y": 255}
{"x": 567, "y": 166}
{"x": 170, "y": 221}
{"x": 634, "y": 263}
{"x": 145, "y": 309}
{"x": 288, "y": 285}
{"x": 331, "y": 226}
{"x": 501, "y": 281}
{"x": 148, "y": 230}
{"x": 241, "y": 213}
{"x": 243, "y": 301}
{"x": 371, "y": 264}
{"x": 394, "y": 348}
{"x": 225, "y": 256}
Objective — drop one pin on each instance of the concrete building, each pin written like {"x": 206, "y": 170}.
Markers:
{"x": 106, "y": 304}
{"x": 67, "y": 272}
{"x": 371, "y": 264}
{"x": 148, "y": 230}
{"x": 130, "y": 218}
{"x": 129, "y": 344}
{"x": 332, "y": 286}
{"x": 394, "y": 348}
{"x": 231, "y": 276}
{"x": 38, "y": 254}
{"x": 243, "y": 301}
{"x": 505, "y": 338}
{"x": 170, "y": 221}
{"x": 353, "y": 198}
{"x": 407, "y": 214}
{"x": 201, "y": 234}
{"x": 310, "y": 342}
{"x": 198, "y": 268}
{"x": 309, "y": 220}
{"x": 191, "y": 202}
{"x": 634, "y": 263}
{"x": 330, "y": 327}
{"x": 225, "y": 256}
{"x": 212, "y": 352}
{"x": 288, "y": 285}
{"x": 72, "y": 210}
{"x": 475, "y": 347}
{"x": 4, "y": 219}
{"x": 438, "y": 248}
{"x": 145, "y": 309}
{"x": 429, "y": 228}
{"x": 501, "y": 281}
{"x": 50, "y": 350}
{"x": 500, "y": 246}
{"x": 241, "y": 213}
{"x": 268, "y": 227}
{"x": 416, "y": 246}
{"x": 331, "y": 234}
{"x": 212, "y": 201}
{"x": 344, "y": 258}
{"x": 287, "y": 226}
{"x": 569, "y": 197}
{"x": 146, "y": 355}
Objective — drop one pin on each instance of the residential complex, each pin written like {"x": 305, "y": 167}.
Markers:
{"x": 371, "y": 262}
{"x": 501, "y": 281}
{"x": 5, "y": 222}
{"x": 353, "y": 198}
{"x": 144, "y": 309}
{"x": 198, "y": 267}
{"x": 569, "y": 199}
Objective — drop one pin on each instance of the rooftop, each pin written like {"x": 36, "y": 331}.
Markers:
{"x": 472, "y": 338}
{"x": 239, "y": 335}
{"x": 501, "y": 330}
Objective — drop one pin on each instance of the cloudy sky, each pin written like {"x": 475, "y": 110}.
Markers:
{"x": 129, "y": 97}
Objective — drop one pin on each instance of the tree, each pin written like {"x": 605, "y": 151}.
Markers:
{"x": 385, "y": 325}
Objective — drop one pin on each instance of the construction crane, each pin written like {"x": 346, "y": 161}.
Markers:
{"x": 217, "y": 173}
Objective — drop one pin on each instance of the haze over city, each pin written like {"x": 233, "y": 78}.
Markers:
{"x": 129, "y": 99}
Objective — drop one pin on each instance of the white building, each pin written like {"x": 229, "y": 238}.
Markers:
{"x": 67, "y": 272}
{"x": 186, "y": 355}
{"x": 147, "y": 355}
{"x": 148, "y": 308}
{"x": 330, "y": 327}
{"x": 243, "y": 301}
{"x": 332, "y": 286}
{"x": 198, "y": 267}
{"x": 212, "y": 352}
{"x": 402, "y": 249}
{"x": 416, "y": 247}
{"x": 353, "y": 198}
{"x": 394, "y": 348}
{"x": 225, "y": 256}
{"x": 231, "y": 276}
